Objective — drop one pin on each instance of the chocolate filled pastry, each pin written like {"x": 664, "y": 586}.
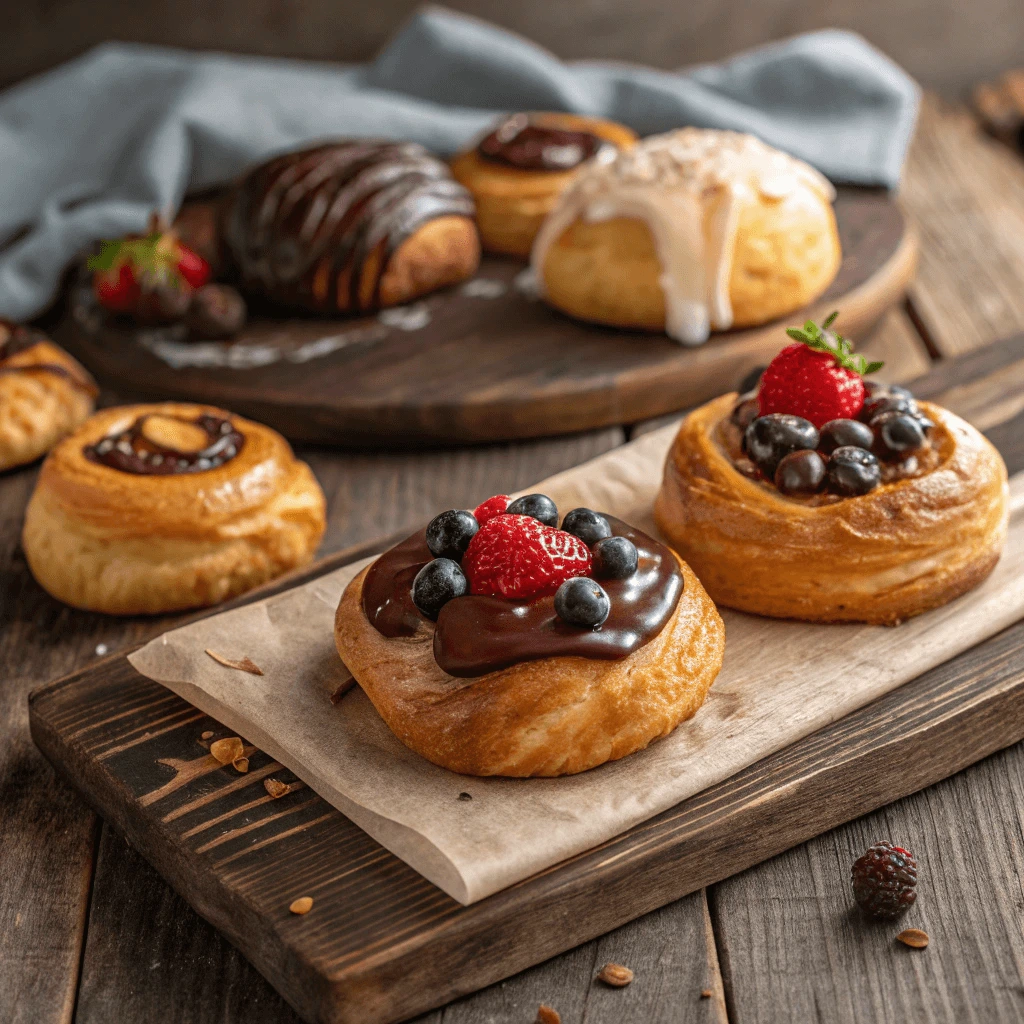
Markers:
{"x": 44, "y": 394}
{"x": 350, "y": 227}
{"x": 823, "y": 497}
{"x": 157, "y": 508}
{"x": 493, "y": 643}
{"x": 518, "y": 170}
{"x": 688, "y": 232}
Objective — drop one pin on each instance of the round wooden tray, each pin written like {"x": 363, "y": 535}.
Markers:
{"x": 485, "y": 361}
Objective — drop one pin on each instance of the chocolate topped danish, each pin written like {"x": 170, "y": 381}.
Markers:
{"x": 351, "y": 226}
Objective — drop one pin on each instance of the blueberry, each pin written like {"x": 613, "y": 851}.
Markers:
{"x": 436, "y": 584}
{"x": 852, "y": 471}
{"x": 875, "y": 406}
{"x": 586, "y": 524}
{"x": 538, "y": 506}
{"x": 875, "y": 388}
{"x": 837, "y": 433}
{"x": 751, "y": 380}
{"x": 582, "y": 602}
{"x": 898, "y": 434}
{"x": 800, "y": 472}
{"x": 449, "y": 534}
{"x": 770, "y": 438}
{"x": 744, "y": 411}
{"x": 615, "y": 558}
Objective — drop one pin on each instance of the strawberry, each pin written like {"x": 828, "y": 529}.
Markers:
{"x": 490, "y": 508}
{"x": 519, "y": 557}
{"x": 819, "y": 378}
{"x": 118, "y": 288}
{"x": 192, "y": 266}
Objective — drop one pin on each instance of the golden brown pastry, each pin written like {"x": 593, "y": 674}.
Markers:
{"x": 44, "y": 395}
{"x": 157, "y": 508}
{"x": 517, "y": 172}
{"x": 927, "y": 533}
{"x": 351, "y": 226}
{"x": 688, "y": 232}
{"x": 528, "y": 684}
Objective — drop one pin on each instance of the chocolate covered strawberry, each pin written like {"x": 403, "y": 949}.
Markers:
{"x": 517, "y": 556}
{"x": 820, "y": 378}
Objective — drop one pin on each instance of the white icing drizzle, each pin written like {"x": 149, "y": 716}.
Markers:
{"x": 689, "y": 187}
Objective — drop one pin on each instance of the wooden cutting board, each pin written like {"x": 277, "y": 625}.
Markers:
{"x": 482, "y": 362}
{"x": 382, "y": 944}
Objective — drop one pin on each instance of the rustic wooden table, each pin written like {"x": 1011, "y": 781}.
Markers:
{"x": 90, "y": 933}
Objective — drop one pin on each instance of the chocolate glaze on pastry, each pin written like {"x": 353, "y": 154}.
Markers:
{"x": 304, "y": 228}
{"x": 131, "y": 451}
{"x": 475, "y": 635}
{"x": 20, "y": 339}
{"x": 520, "y": 142}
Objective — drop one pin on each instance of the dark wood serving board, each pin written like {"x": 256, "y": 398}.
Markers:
{"x": 480, "y": 368}
{"x": 382, "y": 944}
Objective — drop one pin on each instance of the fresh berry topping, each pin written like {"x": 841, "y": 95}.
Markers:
{"x": 582, "y": 602}
{"x": 837, "y": 433}
{"x": 800, "y": 473}
{"x": 853, "y": 471}
{"x": 885, "y": 881}
{"x": 517, "y": 556}
{"x": 898, "y": 433}
{"x": 769, "y": 439}
{"x": 449, "y": 534}
{"x": 751, "y": 380}
{"x": 539, "y": 506}
{"x": 192, "y": 267}
{"x": 878, "y": 404}
{"x": 874, "y": 388}
{"x": 615, "y": 558}
{"x": 819, "y": 378}
{"x": 586, "y": 524}
{"x": 164, "y": 303}
{"x": 117, "y": 289}
{"x": 490, "y": 508}
{"x": 745, "y": 411}
{"x": 436, "y": 584}
{"x": 217, "y": 312}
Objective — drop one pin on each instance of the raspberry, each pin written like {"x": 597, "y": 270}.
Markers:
{"x": 803, "y": 382}
{"x": 884, "y": 881}
{"x": 490, "y": 508}
{"x": 519, "y": 557}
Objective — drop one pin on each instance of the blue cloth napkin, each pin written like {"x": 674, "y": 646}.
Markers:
{"x": 89, "y": 150}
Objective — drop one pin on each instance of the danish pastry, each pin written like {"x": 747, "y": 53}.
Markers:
{"x": 157, "y": 508}
{"x": 519, "y": 169}
{"x": 493, "y": 643}
{"x": 826, "y": 498}
{"x": 44, "y": 395}
{"x": 350, "y": 226}
{"x": 688, "y": 232}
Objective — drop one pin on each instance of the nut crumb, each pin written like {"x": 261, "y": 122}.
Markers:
{"x": 342, "y": 689}
{"x": 227, "y": 750}
{"x": 705, "y": 993}
{"x": 208, "y": 735}
{"x": 242, "y": 664}
{"x": 303, "y": 905}
{"x": 548, "y": 1015}
{"x": 615, "y": 975}
{"x": 240, "y": 764}
{"x": 276, "y": 788}
{"x": 913, "y": 937}
{"x": 465, "y": 796}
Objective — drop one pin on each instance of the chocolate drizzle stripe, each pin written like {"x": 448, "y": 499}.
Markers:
{"x": 21, "y": 339}
{"x": 475, "y": 635}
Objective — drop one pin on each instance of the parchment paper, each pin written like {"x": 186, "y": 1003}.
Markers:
{"x": 780, "y": 681}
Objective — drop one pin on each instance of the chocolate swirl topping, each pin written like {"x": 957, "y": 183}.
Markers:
{"x": 131, "y": 451}
{"x": 306, "y": 228}
{"x": 519, "y": 142}
{"x": 475, "y": 635}
{"x": 21, "y": 339}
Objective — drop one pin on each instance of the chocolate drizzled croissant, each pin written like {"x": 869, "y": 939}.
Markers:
{"x": 325, "y": 228}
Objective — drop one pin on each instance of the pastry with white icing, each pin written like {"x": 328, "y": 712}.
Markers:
{"x": 689, "y": 232}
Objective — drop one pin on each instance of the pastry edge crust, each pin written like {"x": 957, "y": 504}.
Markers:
{"x": 758, "y": 552}
{"x": 554, "y": 716}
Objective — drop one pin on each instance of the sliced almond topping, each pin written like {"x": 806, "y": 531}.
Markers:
{"x": 240, "y": 764}
{"x": 276, "y": 788}
{"x": 913, "y": 937}
{"x": 548, "y": 1015}
{"x": 227, "y": 750}
{"x": 208, "y": 735}
{"x": 342, "y": 689}
{"x": 242, "y": 664}
{"x": 705, "y": 993}
{"x": 615, "y": 975}
{"x": 303, "y": 905}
